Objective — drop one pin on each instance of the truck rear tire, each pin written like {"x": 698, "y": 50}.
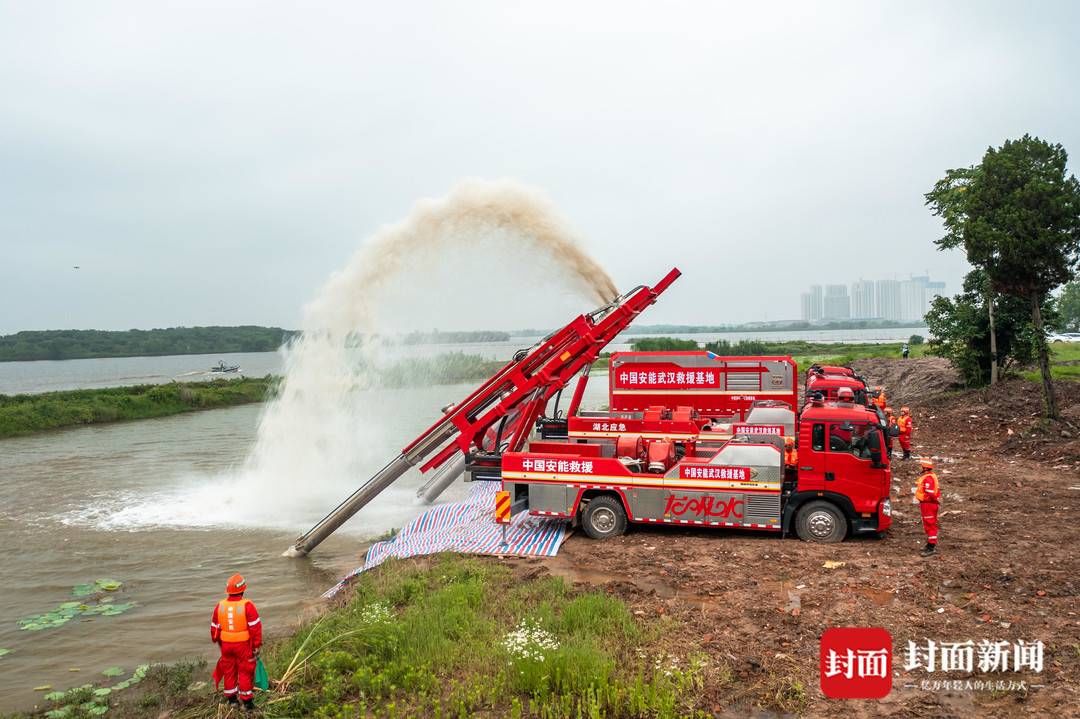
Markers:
{"x": 604, "y": 517}
{"x": 821, "y": 522}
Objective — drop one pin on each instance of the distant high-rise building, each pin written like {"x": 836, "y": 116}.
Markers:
{"x": 893, "y": 300}
{"x": 888, "y": 299}
{"x": 863, "y": 306}
{"x": 837, "y": 304}
{"x": 912, "y": 299}
{"x": 815, "y": 304}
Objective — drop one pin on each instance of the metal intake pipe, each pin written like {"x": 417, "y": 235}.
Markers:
{"x": 442, "y": 478}
{"x": 367, "y": 492}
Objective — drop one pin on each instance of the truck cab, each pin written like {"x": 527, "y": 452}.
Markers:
{"x": 828, "y": 386}
{"x": 842, "y": 463}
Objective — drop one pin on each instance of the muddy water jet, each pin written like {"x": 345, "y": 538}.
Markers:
{"x": 315, "y": 437}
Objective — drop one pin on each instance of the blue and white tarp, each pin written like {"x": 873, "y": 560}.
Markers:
{"x": 468, "y": 527}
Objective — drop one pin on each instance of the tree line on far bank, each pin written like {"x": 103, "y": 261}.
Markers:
{"x": 87, "y": 344}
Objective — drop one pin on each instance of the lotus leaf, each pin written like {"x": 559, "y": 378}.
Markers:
{"x": 122, "y": 685}
{"x": 83, "y": 590}
{"x": 4, "y": 651}
{"x": 60, "y": 713}
{"x": 55, "y": 696}
{"x": 103, "y": 692}
{"x": 113, "y": 672}
{"x": 97, "y": 710}
{"x": 141, "y": 670}
{"x": 108, "y": 585}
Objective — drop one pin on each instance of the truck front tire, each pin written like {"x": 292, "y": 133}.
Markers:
{"x": 603, "y": 517}
{"x": 821, "y": 522}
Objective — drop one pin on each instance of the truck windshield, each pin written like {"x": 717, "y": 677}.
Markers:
{"x": 858, "y": 439}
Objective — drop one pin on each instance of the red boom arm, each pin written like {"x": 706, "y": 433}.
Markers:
{"x": 524, "y": 385}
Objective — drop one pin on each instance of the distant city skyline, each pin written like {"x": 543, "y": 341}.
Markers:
{"x": 885, "y": 299}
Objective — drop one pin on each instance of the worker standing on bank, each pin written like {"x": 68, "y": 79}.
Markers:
{"x": 928, "y": 494}
{"x": 236, "y": 628}
{"x": 906, "y": 426}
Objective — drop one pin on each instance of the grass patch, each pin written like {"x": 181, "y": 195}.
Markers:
{"x": 447, "y": 368}
{"x": 461, "y": 638}
{"x": 28, "y": 413}
{"x": 1064, "y": 363}
{"x": 454, "y": 637}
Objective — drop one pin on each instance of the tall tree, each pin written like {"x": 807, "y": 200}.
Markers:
{"x": 1017, "y": 216}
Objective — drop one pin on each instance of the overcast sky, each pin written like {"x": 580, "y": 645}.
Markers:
{"x": 213, "y": 163}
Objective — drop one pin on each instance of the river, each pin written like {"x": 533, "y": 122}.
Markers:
{"x": 55, "y": 375}
{"x": 154, "y": 504}
{"x": 138, "y": 502}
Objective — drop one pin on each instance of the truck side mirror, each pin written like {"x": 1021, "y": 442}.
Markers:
{"x": 875, "y": 456}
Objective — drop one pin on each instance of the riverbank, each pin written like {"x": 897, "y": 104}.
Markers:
{"x": 28, "y": 413}
{"x": 451, "y": 636}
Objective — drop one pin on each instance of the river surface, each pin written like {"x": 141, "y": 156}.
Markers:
{"x": 150, "y": 503}
{"x": 161, "y": 505}
{"x": 56, "y": 375}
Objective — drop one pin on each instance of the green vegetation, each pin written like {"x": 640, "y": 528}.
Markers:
{"x": 437, "y": 337}
{"x": 1064, "y": 363}
{"x": 807, "y": 353}
{"x": 463, "y": 637}
{"x": 1016, "y": 215}
{"x": 83, "y": 344}
{"x": 26, "y": 413}
{"x": 793, "y": 326}
{"x": 663, "y": 344}
{"x": 93, "y": 600}
{"x": 447, "y": 368}
{"x": 961, "y": 329}
{"x": 452, "y": 636}
{"x": 1068, "y": 305}
{"x": 803, "y": 352}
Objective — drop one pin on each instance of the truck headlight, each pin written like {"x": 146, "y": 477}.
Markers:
{"x": 886, "y": 507}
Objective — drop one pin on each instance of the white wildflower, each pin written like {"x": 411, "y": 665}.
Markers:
{"x": 376, "y": 613}
{"x": 530, "y": 641}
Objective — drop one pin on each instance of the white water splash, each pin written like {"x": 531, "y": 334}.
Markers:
{"x": 327, "y": 431}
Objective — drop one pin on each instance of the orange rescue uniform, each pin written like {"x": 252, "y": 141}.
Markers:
{"x": 928, "y": 492}
{"x": 236, "y": 627}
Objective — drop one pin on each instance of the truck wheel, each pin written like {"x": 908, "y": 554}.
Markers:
{"x": 604, "y": 517}
{"x": 821, "y": 522}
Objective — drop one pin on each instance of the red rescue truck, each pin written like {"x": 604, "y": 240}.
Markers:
{"x": 828, "y": 383}
{"x": 682, "y": 451}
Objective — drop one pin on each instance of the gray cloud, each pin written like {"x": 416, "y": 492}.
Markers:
{"x": 210, "y": 164}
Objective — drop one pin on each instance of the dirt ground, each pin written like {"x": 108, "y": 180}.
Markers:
{"x": 1006, "y": 569}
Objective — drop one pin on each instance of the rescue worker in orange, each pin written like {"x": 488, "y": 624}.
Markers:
{"x": 928, "y": 494}
{"x": 879, "y": 398}
{"x": 791, "y": 455}
{"x": 236, "y": 628}
{"x": 891, "y": 430}
{"x": 906, "y": 426}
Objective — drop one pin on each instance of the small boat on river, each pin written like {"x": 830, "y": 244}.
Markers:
{"x": 222, "y": 367}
